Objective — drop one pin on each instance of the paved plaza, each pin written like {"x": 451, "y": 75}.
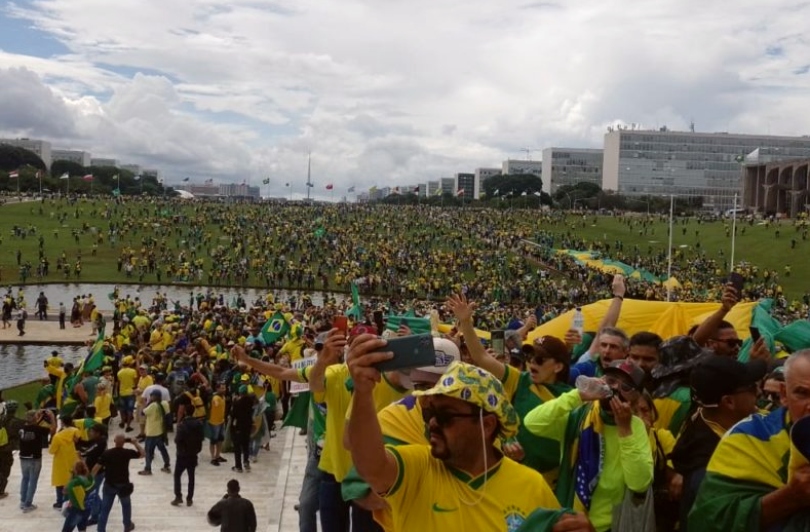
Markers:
{"x": 272, "y": 485}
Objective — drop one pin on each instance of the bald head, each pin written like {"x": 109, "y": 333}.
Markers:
{"x": 120, "y": 440}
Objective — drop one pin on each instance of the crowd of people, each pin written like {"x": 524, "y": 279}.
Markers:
{"x": 521, "y": 436}
{"x": 506, "y": 259}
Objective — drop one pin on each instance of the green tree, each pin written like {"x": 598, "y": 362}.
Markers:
{"x": 13, "y": 158}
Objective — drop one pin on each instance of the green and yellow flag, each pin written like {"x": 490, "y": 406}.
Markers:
{"x": 275, "y": 327}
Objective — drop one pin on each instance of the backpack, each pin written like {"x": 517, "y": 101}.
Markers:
{"x": 196, "y": 404}
{"x": 168, "y": 420}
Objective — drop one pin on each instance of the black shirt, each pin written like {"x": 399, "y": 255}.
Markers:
{"x": 242, "y": 413}
{"x": 93, "y": 451}
{"x": 233, "y": 514}
{"x": 32, "y": 440}
{"x": 116, "y": 464}
{"x": 695, "y": 446}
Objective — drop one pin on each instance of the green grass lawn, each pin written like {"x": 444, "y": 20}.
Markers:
{"x": 23, "y": 393}
{"x": 758, "y": 245}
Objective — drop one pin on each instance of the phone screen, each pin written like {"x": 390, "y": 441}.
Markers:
{"x": 737, "y": 280}
{"x": 497, "y": 342}
{"x": 755, "y": 335}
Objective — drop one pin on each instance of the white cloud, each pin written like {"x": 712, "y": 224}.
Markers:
{"x": 403, "y": 91}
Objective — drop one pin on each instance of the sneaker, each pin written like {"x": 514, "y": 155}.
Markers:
{"x": 166, "y": 469}
{"x": 91, "y": 522}
{"x": 121, "y": 425}
{"x": 29, "y": 508}
{"x": 247, "y": 467}
{"x": 215, "y": 462}
{"x": 3, "y": 495}
{"x": 129, "y": 528}
{"x": 57, "y": 506}
{"x": 237, "y": 469}
{"x": 177, "y": 501}
{"x": 221, "y": 460}
{"x": 189, "y": 502}
{"x": 128, "y": 429}
{"x": 144, "y": 472}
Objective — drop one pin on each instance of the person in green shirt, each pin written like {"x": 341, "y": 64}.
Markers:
{"x": 76, "y": 493}
{"x": 605, "y": 448}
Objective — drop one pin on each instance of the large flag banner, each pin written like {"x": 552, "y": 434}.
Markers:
{"x": 275, "y": 327}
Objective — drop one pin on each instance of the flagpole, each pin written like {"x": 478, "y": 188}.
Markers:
{"x": 39, "y": 174}
{"x": 733, "y": 233}
{"x": 309, "y": 174}
{"x": 669, "y": 255}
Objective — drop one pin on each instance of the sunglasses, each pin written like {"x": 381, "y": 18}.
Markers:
{"x": 541, "y": 360}
{"x": 730, "y": 342}
{"x": 443, "y": 418}
{"x": 623, "y": 386}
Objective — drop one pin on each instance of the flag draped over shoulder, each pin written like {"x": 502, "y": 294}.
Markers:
{"x": 581, "y": 462}
{"x": 749, "y": 462}
{"x": 275, "y": 327}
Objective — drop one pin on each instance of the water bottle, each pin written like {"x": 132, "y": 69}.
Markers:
{"x": 578, "y": 323}
{"x": 592, "y": 386}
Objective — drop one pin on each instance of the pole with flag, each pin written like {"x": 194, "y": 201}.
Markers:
{"x": 733, "y": 233}
{"x": 669, "y": 253}
{"x": 330, "y": 187}
{"x": 39, "y": 177}
{"x": 288, "y": 186}
{"x": 309, "y": 174}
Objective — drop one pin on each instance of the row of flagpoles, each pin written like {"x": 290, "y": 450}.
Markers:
{"x": 15, "y": 174}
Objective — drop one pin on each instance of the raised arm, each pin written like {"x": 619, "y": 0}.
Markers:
{"x": 463, "y": 311}
{"x": 611, "y": 317}
{"x": 374, "y": 464}
{"x": 265, "y": 368}
{"x": 706, "y": 330}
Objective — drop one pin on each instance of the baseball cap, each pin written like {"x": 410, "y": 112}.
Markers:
{"x": 628, "y": 369}
{"x": 547, "y": 347}
{"x": 446, "y": 353}
{"x": 717, "y": 376}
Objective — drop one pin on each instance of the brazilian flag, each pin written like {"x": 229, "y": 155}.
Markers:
{"x": 274, "y": 328}
{"x": 356, "y": 311}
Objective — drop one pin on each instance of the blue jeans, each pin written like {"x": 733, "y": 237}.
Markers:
{"x": 151, "y": 443}
{"x": 93, "y": 500}
{"x": 334, "y": 510}
{"x": 110, "y": 492}
{"x": 30, "y": 476}
{"x": 75, "y": 518}
{"x": 308, "y": 499}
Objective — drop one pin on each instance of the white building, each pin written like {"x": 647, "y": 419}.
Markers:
{"x": 569, "y": 166}
{"x": 688, "y": 164}
{"x": 75, "y": 156}
{"x": 481, "y": 175}
{"x": 41, "y": 147}
{"x": 448, "y": 185}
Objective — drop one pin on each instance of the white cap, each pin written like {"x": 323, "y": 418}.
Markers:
{"x": 446, "y": 353}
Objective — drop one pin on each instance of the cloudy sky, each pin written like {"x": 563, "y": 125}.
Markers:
{"x": 388, "y": 92}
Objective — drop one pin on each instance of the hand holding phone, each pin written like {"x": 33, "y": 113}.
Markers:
{"x": 755, "y": 334}
{"x": 341, "y": 323}
{"x": 737, "y": 281}
{"x": 409, "y": 352}
{"x": 497, "y": 341}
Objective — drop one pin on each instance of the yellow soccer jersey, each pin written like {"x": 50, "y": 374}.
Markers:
{"x": 428, "y": 495}
{"x": 335, "y": 459}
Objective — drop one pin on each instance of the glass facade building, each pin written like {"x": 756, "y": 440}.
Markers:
{"x": 569, "y": 166}
{"x": 705, "y": 165}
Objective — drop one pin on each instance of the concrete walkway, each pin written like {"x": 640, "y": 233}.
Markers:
{"x": 48, "y": 333}
{"x": 272, "y": 485}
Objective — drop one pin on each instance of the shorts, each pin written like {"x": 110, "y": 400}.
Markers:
{"x": 127, "y": 403}
{"x": 216, "y": 433}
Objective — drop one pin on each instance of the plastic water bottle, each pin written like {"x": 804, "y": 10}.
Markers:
{"x": 592, "y": 386}
{"x": 578, "y": 323}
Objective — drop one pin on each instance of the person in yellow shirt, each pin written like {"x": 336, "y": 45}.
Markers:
{"x": 460, "y": 481}
{"x": 127, "y": 377}
{"x": 63, "y": 449}
{"x": 216, "y": 424}
{"x": 145, "y": 380}
{"x": 102, "y": 402}
{"x": 155, "y": 414}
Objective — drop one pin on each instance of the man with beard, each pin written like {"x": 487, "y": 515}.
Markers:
{"x": 460, "y": 481}
{"x": 606, "y": 450}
